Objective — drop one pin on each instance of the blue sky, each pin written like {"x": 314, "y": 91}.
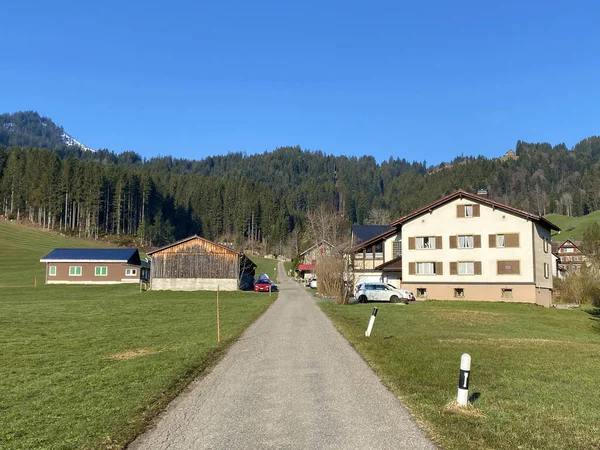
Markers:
{"x": 415, "y": 80}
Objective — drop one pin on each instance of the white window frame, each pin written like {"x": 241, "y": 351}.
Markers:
{"x": 396, "y": 249}
{"x": 73, "y": 273}
{"x": 421, "y": 244}
{"x": 425, "y": 268}
{"x": 130, "y": 272}
{"x": 507, "y": 293}
{"x": 568, "y": 250}
{"x": 468, "y": 210}
{"x": 545, "y": 245}
{"x": 546, "y": 270}
{"x": 466, "y": 241}
{"x": 500, "y": 241}
{"x": 51, "y": 272}
{"x": 96, "y": 274}
{"x": 466, "y": 268}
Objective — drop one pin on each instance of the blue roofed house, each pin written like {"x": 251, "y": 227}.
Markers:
{"x": 93, "y": 266}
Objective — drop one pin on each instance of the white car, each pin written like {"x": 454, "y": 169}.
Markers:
{"x": 313, "y": 283}
{"x": 381, "y": 292}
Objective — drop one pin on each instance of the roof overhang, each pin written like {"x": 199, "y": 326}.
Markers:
{"x": 85, "y": 261}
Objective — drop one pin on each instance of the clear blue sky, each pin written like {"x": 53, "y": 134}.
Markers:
{"x": 419, "y": 80}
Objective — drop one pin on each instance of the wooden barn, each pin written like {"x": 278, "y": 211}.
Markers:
{"x": 197, "y": 264}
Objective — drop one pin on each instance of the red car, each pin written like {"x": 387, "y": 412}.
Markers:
{"x": 262, "y": 285}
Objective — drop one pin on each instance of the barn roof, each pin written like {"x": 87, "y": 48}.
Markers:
{"x": 123, "y": 255}
{"x": 195, "y": 236}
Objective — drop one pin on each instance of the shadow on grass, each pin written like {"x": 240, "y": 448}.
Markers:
{"x": 474, "y": 397}
{"x": 595, "y": 313}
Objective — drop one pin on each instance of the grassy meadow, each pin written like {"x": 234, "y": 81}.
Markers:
{"x": 89, "y": 366}
{"x": 534, "y": 372}
{"x": 572, "y": 227}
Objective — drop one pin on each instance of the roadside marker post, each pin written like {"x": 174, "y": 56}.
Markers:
{"x": 371, "y": 322}
{"x": 463, "y": 380}
{"x": 218, "y": 318}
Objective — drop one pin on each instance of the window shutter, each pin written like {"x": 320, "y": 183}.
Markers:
{"x": 476, "y": 210}
{"x": 438, "y": 242}
{"x": 511, "y": 240}
{"x": 453, "y": 242}
{"x": 477, "y": 267}
{"x": 492, "y": 241}
{"x": 477, "y": 241}
{"x": 439, "y": 268}
{"x": 508, "y": 268}
{"x": 453, "y": 268}
{"x": 411, "y": 268}
{"x": 460, "y": 210}
{"x": 411, "y": 243}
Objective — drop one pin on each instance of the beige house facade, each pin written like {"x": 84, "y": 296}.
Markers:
{"x": 467, "y": 247}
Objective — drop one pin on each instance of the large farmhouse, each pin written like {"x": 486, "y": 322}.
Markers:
{"x": 92, "y": 266}
{"x": 464, "y": 246}
{"x": 195, "y": 264}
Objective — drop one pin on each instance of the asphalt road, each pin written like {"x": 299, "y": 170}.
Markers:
{"x": 291, "y": 382}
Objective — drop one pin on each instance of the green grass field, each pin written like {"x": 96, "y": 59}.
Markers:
{"x": 572, "y": 227}
{"x": 89, "y": 366}
{"x": 534, "y": 370}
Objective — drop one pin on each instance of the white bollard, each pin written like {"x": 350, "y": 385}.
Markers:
{"x": 463, "y": 380}
{"x": 371, "y": 322}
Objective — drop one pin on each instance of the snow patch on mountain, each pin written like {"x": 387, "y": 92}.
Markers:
{"x": 70, "y": 140}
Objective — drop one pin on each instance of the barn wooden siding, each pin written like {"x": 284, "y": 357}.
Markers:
{"x": 196, "y": 258}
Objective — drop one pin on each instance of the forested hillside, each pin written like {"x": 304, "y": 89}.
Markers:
{"x": 265, "y": 197}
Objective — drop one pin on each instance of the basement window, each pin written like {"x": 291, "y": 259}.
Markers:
{"x": 459, "y": 293}
{"x": 507, "y": 293}
{"x": 421, "y": 292}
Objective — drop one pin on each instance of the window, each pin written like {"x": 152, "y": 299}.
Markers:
{"x": 130, "y": 272}
{"x": 425, "y": 268}
{"x": 508, "y": 268}
{"x": 378, "y": 249}
{"x": 545, "y": 245}
{"x": 74, "y": 271}
{"x": 421, "y": 292}
{"x": 101, "y": 271}
{"x": 568, "y": 250}
{"x": 507, "y": 293}
{"x": 459, "y": 292}
{"x": 465, "y": 241}
{"x": 466, "y": 268}
{"x": 52, "y": 271}
{"x": 500, "y": 240}
{"x": 397, "y": 249}
{"x": 426, "y": 242}
{"x": 468, "y": 210}
{"x": 546, "y": 270}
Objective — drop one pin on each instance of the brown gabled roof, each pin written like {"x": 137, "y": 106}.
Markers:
{"x": 392, "y": 264}
{"x": 379, "y": 237}
{"x": 195, "y": 236}
{"x": 478, "y": 199}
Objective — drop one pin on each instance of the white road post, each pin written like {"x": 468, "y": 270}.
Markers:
{"x": 463, "y": 379}
{"x": 371, "y": 322}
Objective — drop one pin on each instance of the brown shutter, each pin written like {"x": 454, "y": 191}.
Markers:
{"x": 453, "y": 243}
{"x": 492, "y": 241}
{"x": 477, "y": 267}
{"x": 411, "y": 243}
{"x": 438, "y": 242}
{"x": 411, "y": 268}
{"x": 511, "y": 240}
{"x": 453, "y": 268}
{"x": 477, "y": 241}
{"x": 508, "y": 268}
{"x": 476, "y": 210}
{"x": 439, "y": 268}
{"x": 460, "y": 210}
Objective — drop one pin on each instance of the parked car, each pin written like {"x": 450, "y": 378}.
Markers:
{"x": 264, "y": 285}
{"x": 312, "y": 283}
{"x": 382, "y": 292}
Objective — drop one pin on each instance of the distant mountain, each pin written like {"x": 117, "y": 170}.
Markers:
{"x": 29, "y": 129}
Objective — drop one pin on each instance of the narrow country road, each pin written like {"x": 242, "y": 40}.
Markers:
{"x": 291, "y": 382}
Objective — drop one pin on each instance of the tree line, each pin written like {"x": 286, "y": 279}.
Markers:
{"x": 265, "y": 198}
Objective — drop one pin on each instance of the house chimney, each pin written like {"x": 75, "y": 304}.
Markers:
{"x": 482, "y": 192}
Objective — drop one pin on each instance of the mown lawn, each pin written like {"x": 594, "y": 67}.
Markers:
{"x": 534, "y": 371}
{"x": 87, "y": 367}
{"x": 572, "y": 227}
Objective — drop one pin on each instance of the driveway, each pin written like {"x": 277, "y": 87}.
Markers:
{"x": 290, "y": 382}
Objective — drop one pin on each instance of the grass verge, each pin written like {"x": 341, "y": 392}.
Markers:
{"x": 533, "y": 376}
{"x": 89, "y": 366}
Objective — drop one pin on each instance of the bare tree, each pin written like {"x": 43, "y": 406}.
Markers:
{"x": 324, "y": 223}
{"x": 379, "y": 216}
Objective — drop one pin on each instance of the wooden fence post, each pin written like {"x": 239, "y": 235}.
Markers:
{"x": 218, "y": 318}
